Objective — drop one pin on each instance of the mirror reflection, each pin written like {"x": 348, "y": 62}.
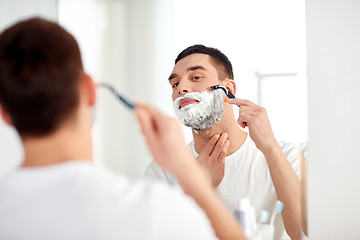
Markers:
{"x": 133, "y": 45}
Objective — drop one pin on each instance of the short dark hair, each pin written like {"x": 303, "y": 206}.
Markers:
{"x": 40, "y": 69}
{"x": 221, "y": 62}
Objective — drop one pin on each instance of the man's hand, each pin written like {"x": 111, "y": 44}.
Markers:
{"x": 286, "y": 183}
{"x": 165, "y": 139}
{"x": 256, "y": 119}
{"x": 212, "y": 158}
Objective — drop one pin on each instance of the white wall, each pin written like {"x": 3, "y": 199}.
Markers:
{"x": 12, "y": 11}
{"x": 333, "y": 39}
{"x": 127, "y": 44}
{"x": 263, "y": 39}
{"x": 137, "y": 66}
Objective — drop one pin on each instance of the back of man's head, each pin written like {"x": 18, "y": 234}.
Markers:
{"x": 40, "y": 68}
{"x": 220, "y": 61}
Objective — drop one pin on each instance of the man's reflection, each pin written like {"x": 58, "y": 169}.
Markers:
{"x": 240, "y": 165}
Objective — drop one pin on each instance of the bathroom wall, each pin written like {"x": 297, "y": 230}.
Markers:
{"x": 333, "y": 63}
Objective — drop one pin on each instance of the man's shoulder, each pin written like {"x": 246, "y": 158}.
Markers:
{"x": 113, "y": 198}
{"x": 155, "y": 172}
{"x": 168, "y": 202}
{"x": 288, "y": 145}
{"x": 163, "y": 202}
{"x": 290, "y": 149}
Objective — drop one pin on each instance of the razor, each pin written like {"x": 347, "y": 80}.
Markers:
{"x": 122, "y": 99}
{"x": 227, "y": 92}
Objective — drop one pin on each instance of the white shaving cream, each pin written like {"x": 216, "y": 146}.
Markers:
{"x": 202, "y": 115}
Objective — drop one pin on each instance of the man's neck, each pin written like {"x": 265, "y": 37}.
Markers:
{"x": 236, "y": 136}
{"x": 61, "y": 146}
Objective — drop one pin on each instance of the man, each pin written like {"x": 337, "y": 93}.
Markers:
{"x": 239, "y": 166}
{"x": 57, "y": 193}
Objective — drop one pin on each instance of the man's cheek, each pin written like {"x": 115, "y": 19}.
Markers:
{"x": 174, "y": 96}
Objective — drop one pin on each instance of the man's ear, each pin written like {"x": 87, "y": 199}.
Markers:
{"x": 6, "y": 117}
{"x": 230, "y": 85}
{"x": 90, "y": 88}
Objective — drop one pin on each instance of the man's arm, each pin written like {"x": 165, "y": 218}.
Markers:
{"x": 303, "y": 195}
{"x": 167, "y": 145}
{"x": 286, "y": 183}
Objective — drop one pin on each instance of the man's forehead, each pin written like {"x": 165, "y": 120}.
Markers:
{"x": 196, "y": 61}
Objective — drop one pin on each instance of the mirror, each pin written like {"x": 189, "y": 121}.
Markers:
{"x": 133, "y": 44}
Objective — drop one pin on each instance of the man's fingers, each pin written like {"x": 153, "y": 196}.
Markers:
{"x": 146, "y": 121}
{"x": 244, "y": 119}
{"x": 249, "y": 110}
{"x": 226, "y": 146}
{"x": 224, "y": 151}
{"x": 157, "y": 121}
{"x": 241, "y": 102}
{"x": 143, "y": 118}
{"x": 209, "y": 147}
{"x": 219, "y": 145}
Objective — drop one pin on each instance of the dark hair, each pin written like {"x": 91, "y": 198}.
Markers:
{"x": 40, "y": 68}
{"x": 221, "y": 62}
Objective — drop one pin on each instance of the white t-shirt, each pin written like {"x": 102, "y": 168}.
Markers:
{"x": 246, "y": 176}
{"x": 73, "y": 200}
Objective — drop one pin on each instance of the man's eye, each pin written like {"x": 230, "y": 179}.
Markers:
{"x": 196, "y": 78}
{"x": 175, "y": 85}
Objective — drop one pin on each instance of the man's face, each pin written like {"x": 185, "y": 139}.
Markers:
{"x": 195, "y": 104}
{"x": 194, "y": 73}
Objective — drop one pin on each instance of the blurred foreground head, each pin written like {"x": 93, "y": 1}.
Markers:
{"x": 40, "y": 72}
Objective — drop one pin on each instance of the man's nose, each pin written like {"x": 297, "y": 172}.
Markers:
{"x": 183, "y": 91}
{"x": 182, "y": 88}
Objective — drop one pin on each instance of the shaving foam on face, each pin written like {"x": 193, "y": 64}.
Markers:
{"x": 202, "y": 115}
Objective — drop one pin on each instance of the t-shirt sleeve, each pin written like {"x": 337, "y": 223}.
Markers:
{"x": 293, "y": 155}
{"x": 177, "y": 216}
{"x": 152, "y": 171}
